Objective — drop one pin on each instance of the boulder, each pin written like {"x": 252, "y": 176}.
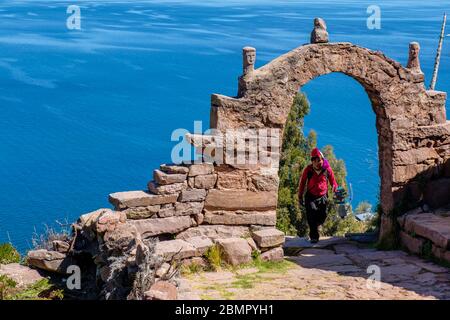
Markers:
{"x": 153, "y": 227}
{"x": 207, "y": 181}
{"x": 22, "y": 275}
{"x": 170, "y": 189}
{"x": 163, "y": 178}
{"x": 267, "y": 218}
{"x": 192, "y": 195}
{"x": 52, "y": 261}
{"x": 174, "y": 169}
{"x": 215, "y": 232}
{"x": 275, "y": 254}
{"x": 268, "y": 238}
{"x": 241, "y": 200}
{"x": 201, "y": 244}
{"x": 236, "y": 250}
{"x": 175, "y": 249}
{"x": 200, "y": 169}
{"x": 162, "y": 290}
{"x": 131, "y": 199}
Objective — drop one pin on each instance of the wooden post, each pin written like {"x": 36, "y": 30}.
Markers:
{"x": 438, "y": 54}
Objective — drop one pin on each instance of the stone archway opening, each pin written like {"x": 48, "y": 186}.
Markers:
{"x": 341, "y": 121}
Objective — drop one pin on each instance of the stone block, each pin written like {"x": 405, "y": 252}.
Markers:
{"x": 268, "y": 238}
{"x": 215, "y": 232}
{"x": 175, "y": 249}
{"x": 142, "y": 212}
{"x": 163, "y": 178}
{"x": 275, "y": 254}
{"x": 192, "y": 195}
{"x": 240, "y": 200}
{"x": 236, "y": 250}
{"x": 207, "y": 181}
{"x": 188, "y": 208}
{"x": 52, "y": 261}
{"x": 267, "y": 218}
{"x": 170, "y": 189}
{"x": 153, "y": 227}
{"x": 414, "y": 245}
{"x": 174, "y": 169}
{"x": 430, "y": 226}
{"x": 131, "y": 199}
{"x": 201, "y": 244}
{"x": 200, "y": 169}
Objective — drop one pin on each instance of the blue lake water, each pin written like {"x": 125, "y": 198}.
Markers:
{"x": 90, "y": 112}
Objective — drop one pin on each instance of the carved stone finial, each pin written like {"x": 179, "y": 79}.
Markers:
{"x": 249, "y": 58}
{"x": 319, "y": 33}
{"x": 413, "y": 59}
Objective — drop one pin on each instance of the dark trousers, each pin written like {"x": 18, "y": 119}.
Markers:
{"x": 315, "y": 217}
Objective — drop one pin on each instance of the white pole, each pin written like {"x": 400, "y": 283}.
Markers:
{"x": 438, "y": 54}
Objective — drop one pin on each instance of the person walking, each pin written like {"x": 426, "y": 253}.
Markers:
{"x": 314, "y": 181}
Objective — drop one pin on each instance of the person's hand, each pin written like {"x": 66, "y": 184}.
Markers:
{"x": 301, "y": 202}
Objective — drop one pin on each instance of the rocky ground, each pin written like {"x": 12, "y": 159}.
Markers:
{"x": 333, "y": 269}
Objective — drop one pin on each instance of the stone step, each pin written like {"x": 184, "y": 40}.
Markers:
{"x": 293, "y": 245}
{"x": 429, "y": 226}
{"x": 132, "y": 199}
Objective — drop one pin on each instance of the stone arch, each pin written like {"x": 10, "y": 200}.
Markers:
{"x": 413, "y": 133}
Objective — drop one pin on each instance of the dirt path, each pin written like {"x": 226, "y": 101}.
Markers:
{"x": 336, "y": 271}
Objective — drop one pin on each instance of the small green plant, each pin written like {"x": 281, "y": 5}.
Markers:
{"x": 427, "y": 250}
{"x": 40, "y": 290}
{"x": 246, "y": 281}
{"x": 191, "y": 268}
{"x": 8, "y": 254}
{"x": 214, "y": 257}
{"x": 7, "y": 287}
